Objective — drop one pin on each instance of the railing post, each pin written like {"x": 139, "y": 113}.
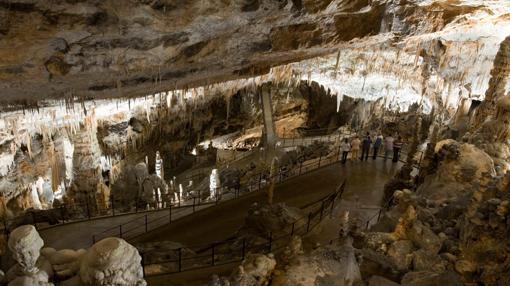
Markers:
{"x": 146, "y": 224}
{"x": 379, "y": 215}
{"x": 308, "y": 222}
{"x": 180, "y": 260}
{"x": 320, "y": 159}
{"x": 322, "y": 210}
{"x": 88, "y": 207}
{"x": 244, "y": 247}
{"x": 292, "y": 229}
{"x": 270, "y": 241}
{"x": 199, "y": 195}
{"x": 170, "y": 213}
{"x": 212, "y": 255}
{"x": 120, "y": 230}
{"x": 194, "y": 204}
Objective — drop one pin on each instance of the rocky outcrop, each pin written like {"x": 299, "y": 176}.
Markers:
{"x": 497, "y": 84}
{"x": 458, "y": 167}
{"x": 263, "y": 220}
{"x": 493, "y": 136}
{"x": 111, "y": 261}
{"x": 443, "y": 233}
{"x": 31, "y": 269}
{"x": 333, "y": 265}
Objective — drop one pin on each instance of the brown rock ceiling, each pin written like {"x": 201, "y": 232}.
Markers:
{"x": 122, "y": 48}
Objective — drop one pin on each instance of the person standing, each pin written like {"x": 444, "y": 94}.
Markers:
{"x": 355, "y": 144}
{"x": 345, "y": 147}
{"x": 367, "y": 141}
{"x": 388, "y": 146}
{"x": 397, "y": 146}
{"x": 377, "y": 145}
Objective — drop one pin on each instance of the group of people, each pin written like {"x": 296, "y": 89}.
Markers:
{"x": 390, "y": 146}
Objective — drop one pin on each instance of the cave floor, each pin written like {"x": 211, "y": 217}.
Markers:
{"x": 363, "y": 195}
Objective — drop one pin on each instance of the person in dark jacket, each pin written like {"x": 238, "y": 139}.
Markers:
{"x": 367, "y": 141}
{"x": 397, "y": 146}
{"x": 377, "y": 144}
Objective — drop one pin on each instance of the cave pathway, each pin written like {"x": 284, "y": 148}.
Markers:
{"x": 365, "y": 183}
{"x": 364, "y": 180}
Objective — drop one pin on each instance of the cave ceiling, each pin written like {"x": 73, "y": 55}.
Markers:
{"x": 92, "y": 49}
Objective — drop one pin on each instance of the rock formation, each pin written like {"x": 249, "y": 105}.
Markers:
{"x": 31, "y": 268}
{"x": 111, "y": 261}
{"x": 493, "y": 136}
{"x": 441, "y": 233}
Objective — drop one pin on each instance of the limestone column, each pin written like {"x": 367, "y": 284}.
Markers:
{"x": 500, "y": 75}
{"x": 270, "y": 137}
{"x": 86, "y": 168}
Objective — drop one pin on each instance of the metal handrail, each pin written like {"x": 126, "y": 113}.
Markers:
{"x": 257, "y": 185}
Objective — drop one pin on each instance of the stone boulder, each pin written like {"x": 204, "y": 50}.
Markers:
{"x": 381, "y": 281}
{"x": 423, "y": 237}
{"x": 401, "y": 253}
{"x": 65, "y": 262}
{"x": 459, "y": 166}
{"x": 264, "y": 219}
{"x": 428, "y": 278}
{"x": 425, "y": 260}
{"x": 255, "y": 270}
{"x": 112, "y": 262}
{"x": 332, "y": 265}
{"x": 31, "y": 268}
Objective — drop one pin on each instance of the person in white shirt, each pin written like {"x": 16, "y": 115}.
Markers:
{"x": 345, "y": 147}
{"x": 355, "y": 144}
{"x": 388, "y": 146}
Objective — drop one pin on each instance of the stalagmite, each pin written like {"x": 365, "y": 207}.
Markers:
{"x": 214, "y": 184}
{"x": 36, "y": 191}
{"x": 159, "y": 165}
